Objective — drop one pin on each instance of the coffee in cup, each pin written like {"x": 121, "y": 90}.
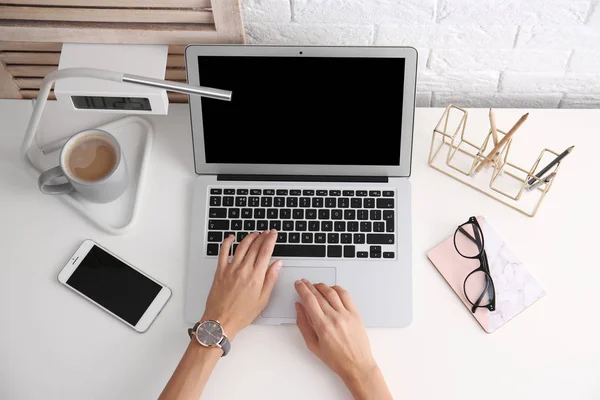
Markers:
{"x": 94, "y": 166}
{"x": 91, "y": 158}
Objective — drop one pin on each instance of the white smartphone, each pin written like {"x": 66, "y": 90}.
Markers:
{"x": 115, "y": 286}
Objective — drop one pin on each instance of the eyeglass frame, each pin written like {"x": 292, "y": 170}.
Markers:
{"x": 483, "y": 267}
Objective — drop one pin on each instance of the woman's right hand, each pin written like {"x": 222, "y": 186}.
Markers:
{"x": 334, "y": 332}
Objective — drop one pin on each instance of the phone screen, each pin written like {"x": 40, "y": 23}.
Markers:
{"x": 114, "y": 285}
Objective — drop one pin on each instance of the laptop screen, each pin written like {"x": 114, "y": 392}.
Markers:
{"x": 303, "y": 110}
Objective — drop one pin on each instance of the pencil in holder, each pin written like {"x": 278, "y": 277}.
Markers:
{"x": 506, "y": 182}
{"x": 464, "y": 155}
{"x": 496, "y": 160}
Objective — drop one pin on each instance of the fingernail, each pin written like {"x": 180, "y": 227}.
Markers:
{"x": 278, "y": 265}
{"x": 304, "y": 280}
{"x": 297, "y": 283}
{"x": 274, "y": 232}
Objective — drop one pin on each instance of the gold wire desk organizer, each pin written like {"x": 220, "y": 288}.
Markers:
{"x": 507, "y": 181}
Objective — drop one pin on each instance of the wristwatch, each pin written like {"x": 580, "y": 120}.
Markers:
{"x": 210, "y": 333}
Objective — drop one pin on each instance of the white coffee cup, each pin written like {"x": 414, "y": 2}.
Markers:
{"x": 100, "y": 179}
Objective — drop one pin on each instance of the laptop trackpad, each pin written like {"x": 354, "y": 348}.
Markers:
{"x": 284, "y": 294}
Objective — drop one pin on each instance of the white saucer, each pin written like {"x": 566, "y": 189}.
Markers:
{"x": 135, "y": 135}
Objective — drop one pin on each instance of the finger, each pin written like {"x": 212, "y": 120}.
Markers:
{"x": 266, "y": 250}
{"x": 331, "y": 296}
{"x": 345, "y": 298}
{"x": 325, "y": 306}
{"x": 270, "y": 279}
{"x": 253, "y": 250}
{"x": 225, "y": 251}
{"x": 310, "y": 302}
{"x": 306, "y": 329}
{"x": 242, "y": 248}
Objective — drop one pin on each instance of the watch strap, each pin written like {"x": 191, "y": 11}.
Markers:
{"x": 192, "y": 331}
{"x": 225, "y": 345}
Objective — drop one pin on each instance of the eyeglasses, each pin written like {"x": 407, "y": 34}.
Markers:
{"x": 478, "y": 285}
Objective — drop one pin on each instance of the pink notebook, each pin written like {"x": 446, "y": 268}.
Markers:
{"x": 516, "y": 289}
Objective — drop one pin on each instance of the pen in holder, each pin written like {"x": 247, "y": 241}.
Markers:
{"x": 466, "y": 161}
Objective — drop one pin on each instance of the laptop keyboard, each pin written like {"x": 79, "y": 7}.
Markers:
{"x": 311, "y": 223}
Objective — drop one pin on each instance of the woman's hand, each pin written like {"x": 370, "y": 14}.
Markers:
{"x": 242, "y": 288}
{"x": 334, "y": 332}
{"x": 240, "y": 291}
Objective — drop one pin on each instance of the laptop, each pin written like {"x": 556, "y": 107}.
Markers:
{"x": 316, "y": 143}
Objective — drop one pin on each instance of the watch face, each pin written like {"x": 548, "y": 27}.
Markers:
{"x": 209, "y": 333}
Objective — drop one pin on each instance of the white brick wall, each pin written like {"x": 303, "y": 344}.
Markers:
{"x": 475, "y": 53}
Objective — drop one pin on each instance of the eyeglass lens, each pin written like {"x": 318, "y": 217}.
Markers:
{"x": 468, "y": 240}
{"x": 476, "y": 285}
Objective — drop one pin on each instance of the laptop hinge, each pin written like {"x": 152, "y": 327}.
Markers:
{"x": 302, "y": 178}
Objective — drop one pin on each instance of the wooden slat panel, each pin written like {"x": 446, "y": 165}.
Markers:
{"x": 174, "y": 74}
{"x": 35, "y": 71}
{"x": 175, "y": 61}
{"x": 30, "y": 58}
{"x": 177, "y": 97}
{"x": 116, "y": 3}
{"x": 228, "y": 21}
{"x": 108, "y": 33}
{"x": 106, "y": 15}
{"x": 32, "y": 94}
{"x": 28, "y": 83}
{"x": 177, "y": 49}
{"x": 30, "y": 46}
{"x": 33, "y": 31}
{"x": 8, "y": 88}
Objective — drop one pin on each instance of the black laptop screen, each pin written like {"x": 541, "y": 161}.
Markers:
{"x": 303, "y": 110}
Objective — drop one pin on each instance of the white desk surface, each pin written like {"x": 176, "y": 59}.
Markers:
{"x": 54, "y": 345}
